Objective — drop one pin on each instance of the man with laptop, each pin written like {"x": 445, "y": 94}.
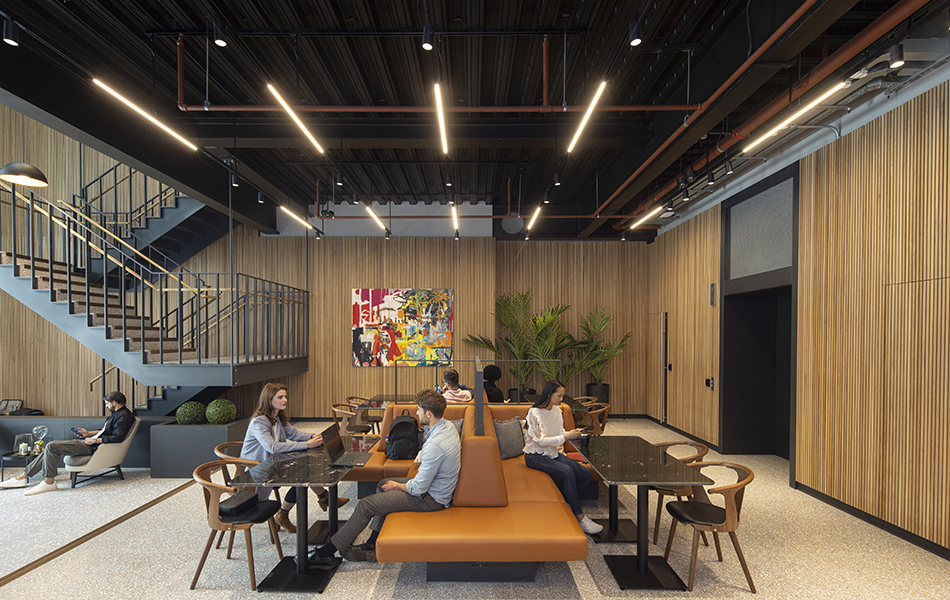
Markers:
{"x": 430, "y": 490}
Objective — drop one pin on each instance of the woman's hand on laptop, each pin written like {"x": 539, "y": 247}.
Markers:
{"x": 315, "y": 441}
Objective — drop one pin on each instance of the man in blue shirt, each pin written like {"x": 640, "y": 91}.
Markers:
{"x": 430, "y": 490}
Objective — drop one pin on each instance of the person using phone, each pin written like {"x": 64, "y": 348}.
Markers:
{"x": 451, "y": 391}
{"x": 114, "y": 430}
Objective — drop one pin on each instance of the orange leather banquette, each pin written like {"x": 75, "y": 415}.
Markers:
{"x": 501, "y": 511}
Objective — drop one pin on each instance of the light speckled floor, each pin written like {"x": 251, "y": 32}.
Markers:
{"x": 797, "y": 547}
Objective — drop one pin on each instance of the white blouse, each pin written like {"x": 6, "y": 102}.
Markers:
{"x": 545, "y": 431}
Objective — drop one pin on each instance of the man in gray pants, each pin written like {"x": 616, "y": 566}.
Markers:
{"x": 114, "y": 430}
{"x": 430, "y": 490}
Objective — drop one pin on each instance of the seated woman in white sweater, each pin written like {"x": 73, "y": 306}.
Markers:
{"x": 542, "y": 450}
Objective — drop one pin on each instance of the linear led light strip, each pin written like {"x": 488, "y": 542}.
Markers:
{"x": 301, "y": 221}
{"x": 537, "y": 212}
{"x": 590, "y": 109}
{"x": 795, "y": 116}
{"x": 438, "y": 105}
{"x": 649, "y": 216}
{"x": 369, "y": 209}
{"x": 293, "y": 116}
{"x": 144, "y": 114}
{"x": 455, "y": 218}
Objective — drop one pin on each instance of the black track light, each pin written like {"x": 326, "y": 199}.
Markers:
{"x": 691, "y": 176}
{"x": 557, "y": 180}
{"x": 260, "y": 197}
{"x": 634, "y": 33}
{"x": 388, "y": 234}
{"x": 219, "y": 30}
{"x": 234, "y": 180}
{"x": 897, "y": 56}
{"x": 11, "y": 32}
{"x": 729, "y": 169}
{"x": 710, "y": 179}
{"x": 685, "y": 196}
{"x": 339, "y": 178}
{"x": 546, "y": 201}
{"x": 456, "y": 235}
{"x": 681, "y": 181}
{"x": 427, "y": 37}
{"x": 448, "y": 180}
{"x": 355, "y": 201}
{"x": 623, "y": 237}
{"x": 318, "y": 233}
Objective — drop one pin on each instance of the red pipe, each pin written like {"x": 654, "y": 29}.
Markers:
{"x": 544, "y": 45}
{"x": 890, "y": 19}
{"x": 806, "y": 5}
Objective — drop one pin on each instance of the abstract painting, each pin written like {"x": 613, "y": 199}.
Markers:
{"x": 404, "y": 327}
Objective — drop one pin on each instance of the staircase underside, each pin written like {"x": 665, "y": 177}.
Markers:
{"x": 186, "y": 373}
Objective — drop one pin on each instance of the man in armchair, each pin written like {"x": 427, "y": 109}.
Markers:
{"x": 114, "y": 430}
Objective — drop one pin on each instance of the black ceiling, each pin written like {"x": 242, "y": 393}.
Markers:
{"x": 362, "y": 54}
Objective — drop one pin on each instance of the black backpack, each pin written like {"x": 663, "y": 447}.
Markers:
{"x": 404, "y": 439}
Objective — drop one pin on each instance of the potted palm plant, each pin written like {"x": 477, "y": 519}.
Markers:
{"x": 599, "y": 353}
{"x": 517, "y": 336}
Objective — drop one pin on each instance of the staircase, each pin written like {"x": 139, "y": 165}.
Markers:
{"x": 161, "y": 327}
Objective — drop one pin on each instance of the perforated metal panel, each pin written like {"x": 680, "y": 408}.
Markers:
{"x": 760, "y": 232}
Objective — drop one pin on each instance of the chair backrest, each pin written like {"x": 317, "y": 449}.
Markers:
{"x": 221, "y": 451}
{"x": 732, "y": 494}
{"x": 342, "y": 413}
{"x": 595, "y": 418}
{"x": 699, "y": 450}
{"x": 212, "y": 491}
{"x": 586, "y": 400}
{"x": 356, "y": 400}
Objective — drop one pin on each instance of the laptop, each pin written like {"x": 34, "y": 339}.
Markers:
{"x": 338, "y": 456}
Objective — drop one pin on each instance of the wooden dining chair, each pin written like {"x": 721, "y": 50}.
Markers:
{"x": 698, "y": 451}
{"x": 703, "y": 515}
{"x": 227, "y": 451}
{"x": 234, "y": 512}
{"x": 343, "y": 415}
{"x": 368, "y": 414}
{"x": 595, "y": 418}
{"x": 586, "y": 400}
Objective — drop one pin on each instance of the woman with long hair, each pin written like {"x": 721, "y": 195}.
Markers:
{"x": 541, "y": 450}
{"x": 269, "y": 433}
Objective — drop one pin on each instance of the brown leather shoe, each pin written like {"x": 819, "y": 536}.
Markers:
{"x": 324, "y": 500}
{"x": 283, "y": 521}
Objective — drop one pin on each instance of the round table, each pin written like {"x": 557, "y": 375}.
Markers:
{"x": 15, "y": 460}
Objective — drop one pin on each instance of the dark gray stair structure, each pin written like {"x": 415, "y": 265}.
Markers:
{"x": 181, "y": 231}
{"x": 169, "y": 398}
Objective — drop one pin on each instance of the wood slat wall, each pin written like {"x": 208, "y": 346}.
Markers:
{"x": 872, "y": 360}
{"x": 680, "y": 266}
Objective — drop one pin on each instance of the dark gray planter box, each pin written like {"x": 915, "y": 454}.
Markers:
{"x": 178, "y": 449}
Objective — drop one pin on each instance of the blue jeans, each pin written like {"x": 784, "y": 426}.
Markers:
{"x": 574, "y": 476}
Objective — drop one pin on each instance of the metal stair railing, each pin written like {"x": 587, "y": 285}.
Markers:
{"x": 224, "y": 318}
{"x": 108, "y": 190}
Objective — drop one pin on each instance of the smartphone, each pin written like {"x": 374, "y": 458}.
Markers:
{"x": 76, "y": 431}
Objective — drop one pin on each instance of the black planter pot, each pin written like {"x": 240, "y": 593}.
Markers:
{"x": 601, "y": 391}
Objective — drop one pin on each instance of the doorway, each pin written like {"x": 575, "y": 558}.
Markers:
{"x": 757, "y": 372}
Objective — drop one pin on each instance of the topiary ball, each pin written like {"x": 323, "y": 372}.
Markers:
{"x": 221, "y": 411}
{"x": 191, "y": 413}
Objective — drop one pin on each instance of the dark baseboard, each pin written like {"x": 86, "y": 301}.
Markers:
{"x": 668, "y": 426}
{"x": 903, "y": 534}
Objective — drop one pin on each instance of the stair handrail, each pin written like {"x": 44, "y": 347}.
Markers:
{"x": 115, "y": 183}
{"x": 152, "y": 248}
{"x": 156, "y": 199}
{"x": 162, "y": 271}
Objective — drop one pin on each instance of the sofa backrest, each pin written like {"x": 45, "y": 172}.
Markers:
{"x": 503, "y": 412}
{"x": 481, "y": 479}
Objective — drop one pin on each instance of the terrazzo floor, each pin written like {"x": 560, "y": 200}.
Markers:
{"x": 796, "y": 547}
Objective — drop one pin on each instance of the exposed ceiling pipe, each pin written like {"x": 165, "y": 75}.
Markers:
{"x": 798, "y": 14}
{"x": 879, "y": 28}
{"x": 405, "y": 109}
{"x": 544, "y": 46}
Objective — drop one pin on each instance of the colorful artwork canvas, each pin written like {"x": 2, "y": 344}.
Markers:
{"x": 404, "y": 327}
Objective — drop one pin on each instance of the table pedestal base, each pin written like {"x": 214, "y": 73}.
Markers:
{"x": 659, "y": 575}
{"x": 284, "y": 577}
{"x": 626, "y": 532}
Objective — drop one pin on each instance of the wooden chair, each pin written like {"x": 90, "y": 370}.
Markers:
{"x": 596, "y": 418}
{"x": 699, "y": 451}
{"x": 703, "y": 515}
{"x": 257, "y": 512}
{"x": 221, "y": 451}
{"x": 587, "y": 400}
{"x": 343, "y": 414}
{"x": 365, "y": 416}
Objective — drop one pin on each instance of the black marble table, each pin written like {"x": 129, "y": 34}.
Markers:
{"x": 301, "y": 470}
{"x": 380, "y": 400}
{"x": 631, "y": 460}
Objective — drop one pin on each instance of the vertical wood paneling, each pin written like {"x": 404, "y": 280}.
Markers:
{"x": 681, "y": 265}
{"x": 872, "y": 361}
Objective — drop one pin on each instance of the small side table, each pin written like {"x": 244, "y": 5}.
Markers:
{"x": 15, "y": 460}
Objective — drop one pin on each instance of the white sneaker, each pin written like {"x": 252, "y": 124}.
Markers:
{"x": 589, "y": 527}
{"x": 13, "y": 483}
{"x": 40, "y": 488}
